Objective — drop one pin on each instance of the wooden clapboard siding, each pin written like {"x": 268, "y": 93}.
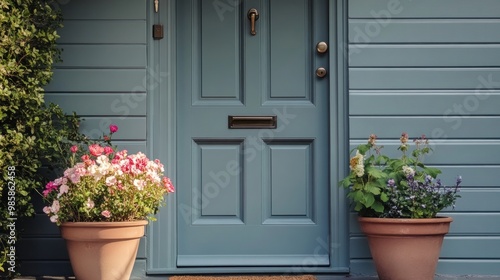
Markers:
{"x": 103, "y": 32}
{"x": 413, "y": 55}
{"x": 426, "y": 9}
{"x": 103, "y": 10}
{"x": 453, "y": 152}
{"x": 103, "y": 56}
{"x": 424, "y": 102}
{"x": 433, "y": 67}
{"x": 428, "y": 31}
{"x": 97, "y": 80}
{"x": 422, "y": 78}
{"x": 102, "y": 78}
{"x": 120, "y": 105}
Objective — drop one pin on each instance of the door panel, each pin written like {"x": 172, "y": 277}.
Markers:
{"x": 288, "y": 197}
{"x": 217, "y": 52}
{"x": 290, "y": 48}
{"x": 252, "y": 197}
{"x": 222, "y": 200}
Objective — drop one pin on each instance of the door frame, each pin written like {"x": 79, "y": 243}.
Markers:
{"x": 161, "y": 240}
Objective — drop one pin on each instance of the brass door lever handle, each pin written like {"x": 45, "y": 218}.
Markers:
{"x": 253, "y": 16}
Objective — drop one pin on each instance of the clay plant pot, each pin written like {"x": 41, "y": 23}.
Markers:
{"x": 405, "y": 248}
{"x": 102, "y": 250}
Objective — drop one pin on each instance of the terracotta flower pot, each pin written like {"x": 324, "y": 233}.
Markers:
{"x": 405, "y": 248}
{"x": 102, "y": 250}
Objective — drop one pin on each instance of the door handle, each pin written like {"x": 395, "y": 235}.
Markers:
{"x": 253, "y": 16}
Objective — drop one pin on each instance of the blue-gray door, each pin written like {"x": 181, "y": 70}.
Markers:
{"x": 252, "y": 196}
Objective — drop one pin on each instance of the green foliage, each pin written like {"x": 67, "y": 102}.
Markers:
{"x": 31, "y": 133}
{"x": 401, "y": 187}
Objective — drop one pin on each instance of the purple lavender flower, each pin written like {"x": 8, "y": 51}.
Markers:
{"x": 428, "y": 179}
{"x": 391, "y": 183}
{"x": 438, "y": 183}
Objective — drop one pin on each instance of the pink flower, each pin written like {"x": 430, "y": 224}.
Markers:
{"x": 49, "y": 188}
{"x": 106, "y": 213}
{"x": 46, "y": 210}
{"x": 113, "y": 128}
{"x": 119, "y": 156}
{"x": 51, "y": 185}
{"x": 96, "y": 150}
{"x": 168, "y": 185}
{"x": 60, "y": 181}
{"x": 141, "y": 163}
{"x": 108, "y": 150}
{"x": 86, "y": 159}
{"x": 55, "y": 206}
{"x": 74, "y": 149}
{"x": 110, "y": 181}
{"x": 54, "y": 218}
{"x": 159, "y": 164}
{"x": 126, "y": 165}
{"x": 74, "y": 177}
{"x": 63, "y": 189}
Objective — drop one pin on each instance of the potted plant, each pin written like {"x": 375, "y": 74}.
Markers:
{"x": 102, "y": 204}
{"x": 398, "y": 200}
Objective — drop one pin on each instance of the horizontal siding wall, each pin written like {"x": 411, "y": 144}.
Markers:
{"x": 103, "y": 79}
{"x": 433, "y": 67}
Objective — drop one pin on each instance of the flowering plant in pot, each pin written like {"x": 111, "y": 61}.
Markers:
{"x": 401, "y": 198}
{"x": 105, "y": 191}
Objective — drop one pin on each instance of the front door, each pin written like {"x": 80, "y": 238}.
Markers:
{"x": 252, "y": 133}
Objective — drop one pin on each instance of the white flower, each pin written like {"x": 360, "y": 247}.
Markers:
{"x": 90, "y": 204}
{"x": 139, "y": 184}
{"x": 408, "y": 171}
{"x": 92, "y": 169}
{"x": 95, "y": 172}
{"x": 102, "y": 160}
{"x": 357, "y": 164}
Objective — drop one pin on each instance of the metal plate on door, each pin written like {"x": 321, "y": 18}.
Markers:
{"x": 246, "y": 122}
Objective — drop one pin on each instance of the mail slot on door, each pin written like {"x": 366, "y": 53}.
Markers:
{"x": 248, "y": 122}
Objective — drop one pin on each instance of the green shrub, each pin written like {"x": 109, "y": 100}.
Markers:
{"x": 31, "y": 133}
